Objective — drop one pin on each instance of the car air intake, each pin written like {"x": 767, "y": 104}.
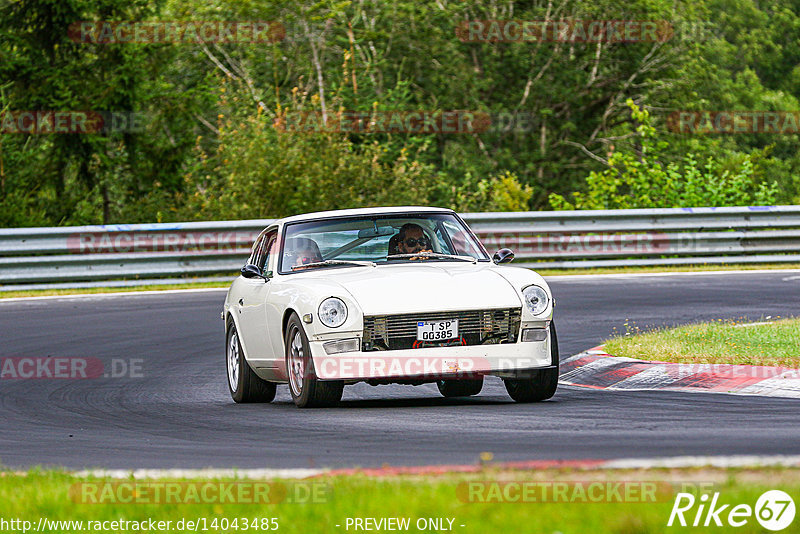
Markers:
{"x": 475, "y": 327}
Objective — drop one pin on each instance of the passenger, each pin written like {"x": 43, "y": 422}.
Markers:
{"x": 304, "y": 251}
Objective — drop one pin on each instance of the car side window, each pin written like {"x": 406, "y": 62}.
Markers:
{"x": 256, "y": 252}
{"x": 270, "y": 243}
{"x": 261, "y": 250}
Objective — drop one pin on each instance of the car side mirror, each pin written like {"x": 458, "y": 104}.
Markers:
{"x": 504, "y": 255}
{"x": 252, "y": 271}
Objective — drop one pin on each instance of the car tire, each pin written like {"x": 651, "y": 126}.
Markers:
{"x": 460, "y": 388}
{"x": 243, "y": 384}
{"x": 306, "y": 390}
{"x": 544, "y": 382}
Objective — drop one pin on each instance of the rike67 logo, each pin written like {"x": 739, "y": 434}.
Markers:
{"x": 774, "y": 510}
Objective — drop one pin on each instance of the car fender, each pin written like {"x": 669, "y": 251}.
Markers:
{"x": 520, "y": 278}
{"x": 303, "y": 297}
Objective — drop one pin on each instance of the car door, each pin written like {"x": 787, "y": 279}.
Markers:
{"x": 253, "y": 307}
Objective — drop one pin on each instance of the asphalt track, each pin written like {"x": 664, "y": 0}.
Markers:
{"x": 179, "y": 413}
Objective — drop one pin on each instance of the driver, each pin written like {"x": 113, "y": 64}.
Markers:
{"x": 412, "y": 239}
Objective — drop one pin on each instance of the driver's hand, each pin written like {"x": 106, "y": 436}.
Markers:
{"x": 303, "y": 261}
{"x": 421, "y": 257}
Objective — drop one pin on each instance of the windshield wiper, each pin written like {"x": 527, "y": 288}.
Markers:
{"x": 435, "y": 255}
{"x": 334, "y": 262}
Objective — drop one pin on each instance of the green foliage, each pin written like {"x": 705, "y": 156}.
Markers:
{"x": 503, "y": 192}
{"x": 261, "y": 169}
{"x": 641, "y": 180}
{"x": 52, "y": 494}
{"x": 87, "y": 178}
{"x": 205, "y": 154}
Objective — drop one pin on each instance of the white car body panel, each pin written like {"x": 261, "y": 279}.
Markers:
{"x": 431, "y": 363}
{"x": 403, "y": 288}
{"x": 252, "y": 313}
{"x": 400, "y": 288}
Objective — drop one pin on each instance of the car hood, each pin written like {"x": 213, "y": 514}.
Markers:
{"x": 426, "y": 287}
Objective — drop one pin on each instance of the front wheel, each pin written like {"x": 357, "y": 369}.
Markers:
{"x": 542, "y": 385}
{"x": 306, "y": 390}
{"x": 243, "y": 384}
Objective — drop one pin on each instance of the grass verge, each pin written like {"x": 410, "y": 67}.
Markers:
{"x": 706, "y": 267}
{"x": 96, "y": 290}
{"x": 771, "y": 343}
{"x": 640, "y": 503}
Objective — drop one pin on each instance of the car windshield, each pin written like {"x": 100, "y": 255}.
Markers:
{"x": 371, "y": 239}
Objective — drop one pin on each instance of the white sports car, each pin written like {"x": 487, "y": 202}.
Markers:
{"x": 385, "y": 295}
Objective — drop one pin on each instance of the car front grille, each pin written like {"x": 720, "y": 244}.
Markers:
{"x": 475, "y": 327}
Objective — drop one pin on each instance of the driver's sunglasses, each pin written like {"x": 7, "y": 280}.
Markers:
{"x": 423, "y": 242}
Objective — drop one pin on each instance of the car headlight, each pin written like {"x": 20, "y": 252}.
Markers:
{"x": 536, "y": 299}
{"x": 332, "y": 312}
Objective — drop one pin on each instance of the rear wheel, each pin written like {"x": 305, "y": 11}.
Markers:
{"x": 243, "y": 384}
{"x": 544, "y": 382}
{"x": 460, "y": 388}
{"x": 306, "y": 390}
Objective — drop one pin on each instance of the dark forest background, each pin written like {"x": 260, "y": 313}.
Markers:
{"x": 212, "y": 142}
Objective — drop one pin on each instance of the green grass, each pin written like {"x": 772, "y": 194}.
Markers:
{"x": 671, "y": 269}
{"x": 47, "y": 494}
{"x": 96, "y": 290}
{"x": 722, "y": 341}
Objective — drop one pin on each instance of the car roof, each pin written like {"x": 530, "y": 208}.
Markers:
{"x": 361, "y": 211}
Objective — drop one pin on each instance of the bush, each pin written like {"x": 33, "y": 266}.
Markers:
{"x": 258, "y": 170}
{"x": 642, "y": 181}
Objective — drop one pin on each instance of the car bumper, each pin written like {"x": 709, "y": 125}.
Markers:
{"x": 433, "y": 363}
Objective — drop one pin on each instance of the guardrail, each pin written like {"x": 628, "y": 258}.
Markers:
{"x": 562, "y": 239}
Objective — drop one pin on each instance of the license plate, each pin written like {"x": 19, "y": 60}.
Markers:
{"x": 437, "y": 330}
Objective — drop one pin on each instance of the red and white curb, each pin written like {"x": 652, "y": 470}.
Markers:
{"x": 599, "y": 370}
{"x": 673, "y": 462}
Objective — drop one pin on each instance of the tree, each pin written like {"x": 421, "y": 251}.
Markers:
{"x": 641, "y": 180}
